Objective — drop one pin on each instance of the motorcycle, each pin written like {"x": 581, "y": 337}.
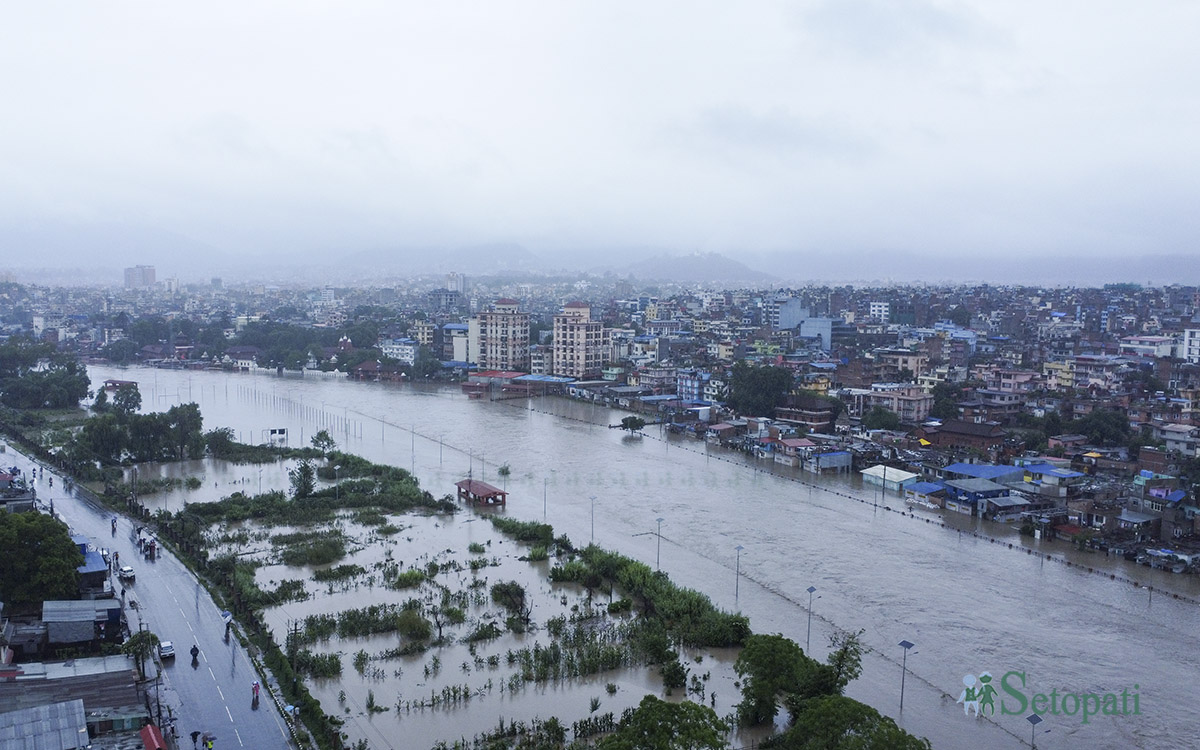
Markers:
{"x": 195, "y": 656}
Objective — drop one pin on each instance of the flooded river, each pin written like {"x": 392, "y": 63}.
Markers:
{"x": 967, "y": 603}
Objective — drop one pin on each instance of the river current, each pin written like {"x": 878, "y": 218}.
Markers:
{"x": 968, "y": 603}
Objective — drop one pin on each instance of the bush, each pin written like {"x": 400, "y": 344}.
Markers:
{"x": 339, "y": 573}
{"x": 674, "y": 674}
{"x": 485, "y": 631}
{"x": 316, "y": 552}
{"x": 411, "y": 624}
{"x": 408, "y": 579}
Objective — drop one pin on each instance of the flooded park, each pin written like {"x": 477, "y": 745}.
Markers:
{"x": 971, "y": 596}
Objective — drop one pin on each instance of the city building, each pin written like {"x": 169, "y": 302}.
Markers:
{"x": 578, "y": 342}
{"x": 139, "y": 277}
{"x": 499, "y": 338}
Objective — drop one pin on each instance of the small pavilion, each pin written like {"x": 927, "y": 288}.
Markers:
{"x": 481, "y": 493}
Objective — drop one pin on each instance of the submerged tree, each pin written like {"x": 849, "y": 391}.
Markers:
{"x": 303, "y": 479}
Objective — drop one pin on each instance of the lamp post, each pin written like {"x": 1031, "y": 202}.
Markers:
{"x": 808, "y": 638}
{"x": 737, "y": 574}
{"x": 545, "y": 480}
{"x": 906, "y": 645}
{"x": 658, "y": 550}
{"x": 1033, "y": 720}
{"x": 337, "y": 488}
{"x": 593, "y": 498}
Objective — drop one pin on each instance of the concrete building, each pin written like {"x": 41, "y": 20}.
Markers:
{"x": 139, "y": 277}
{"x": 404, "y": 350}
{"x": 500, "y": 337}
{"x": 578, "y": 342}
{"x": 1190, "y": 349}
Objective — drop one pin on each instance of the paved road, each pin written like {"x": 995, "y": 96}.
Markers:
{"x": 214, "y": 696}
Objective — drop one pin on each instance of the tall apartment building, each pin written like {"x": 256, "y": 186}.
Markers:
{"x": 139, "y": 277}
{"x": 499, "y": 338}
{"x": 578, "y": 342}
{"x": 1190, "y": 349}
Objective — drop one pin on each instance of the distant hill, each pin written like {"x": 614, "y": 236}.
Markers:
{"x": 695, "y": 269}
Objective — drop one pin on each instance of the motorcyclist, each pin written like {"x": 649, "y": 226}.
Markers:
{"x": 195, "y": 653}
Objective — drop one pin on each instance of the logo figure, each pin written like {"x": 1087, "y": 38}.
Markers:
{"x": 986, "y": 694}
{"x": 969, "y": 697}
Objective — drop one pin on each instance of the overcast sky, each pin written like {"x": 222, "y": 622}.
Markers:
{"x": 1002, "y": 129}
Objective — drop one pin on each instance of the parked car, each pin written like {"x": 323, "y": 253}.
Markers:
{"x": 126, "y": 573}
{"x": 166, "y": 650}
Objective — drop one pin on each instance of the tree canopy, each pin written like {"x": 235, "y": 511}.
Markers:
{"x": 32, "y": 376}
{"x": 756, "y": 390}
{"x": 834, "y": 722}
{"x": 662, "y": 725}
{"x": 881, "y": 418}
{"x": 39, "y": 562}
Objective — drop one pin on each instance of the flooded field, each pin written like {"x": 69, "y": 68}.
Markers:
{"x": 968, "y": 603}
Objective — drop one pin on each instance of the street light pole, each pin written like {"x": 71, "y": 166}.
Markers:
{"x": 737, "y": 574}
{"x": 593, "y": 498}
{"x": 808, "y": 638}
{"x": 906, "y": 645}
{"x": 1034, "y": 720}
{"x": 337, "y": 488}
{"x": 545, "y": 480}
{"x": 658, "y": 551}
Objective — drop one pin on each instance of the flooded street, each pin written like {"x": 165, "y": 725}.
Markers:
{"x": 969, "y": 604}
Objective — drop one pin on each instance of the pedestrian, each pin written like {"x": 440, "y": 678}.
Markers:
{"x": 195, "y": 736}
{"x": 254, "y": 687}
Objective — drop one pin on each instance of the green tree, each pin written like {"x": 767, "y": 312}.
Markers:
{"x": 834, "y": 722}
{"x": 39, "y": 560}
{"x": 104, "y": 438}
{"x": 426, "y": 365}
{"x": 61, "y": 384}
{"x": 660, "y": 725}
{"x": 303, "y": 479}
{"x": 122, "y": 351}
{"x": 127, "y": 400}
{"x": 881, "y": 418}
{"x": 846, "y": 657}
{"x": 219, "y": 441}
{"x": 140, "y": 646}
{"x": 323, "y": 442}
{"x": 632, "y": 424}
{"x": 771, "y": 667}
{"x": 757, "y": 390}
{"x": 185, "y": 427}
{"x": 1104, "y": 426}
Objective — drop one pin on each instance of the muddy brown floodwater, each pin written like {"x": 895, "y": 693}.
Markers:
{"x": 968, "y": 603}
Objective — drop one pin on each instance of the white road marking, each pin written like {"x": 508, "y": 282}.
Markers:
{"x": 220, "y": 691}
{"x": 229, "y": 715}
{"x": 210, "y": 672}
{"x": 239, "y": 736}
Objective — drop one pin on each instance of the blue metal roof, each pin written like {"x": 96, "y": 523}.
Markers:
{"x": 925, "y": 488}
{"x": 544, "y": 379}
{"x": 982, "y": 471}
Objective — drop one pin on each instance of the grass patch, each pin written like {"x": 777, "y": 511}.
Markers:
{"x": 408, "y": 579}
{"x": 339, "y": 573}
{"x": 316, "y": 552}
